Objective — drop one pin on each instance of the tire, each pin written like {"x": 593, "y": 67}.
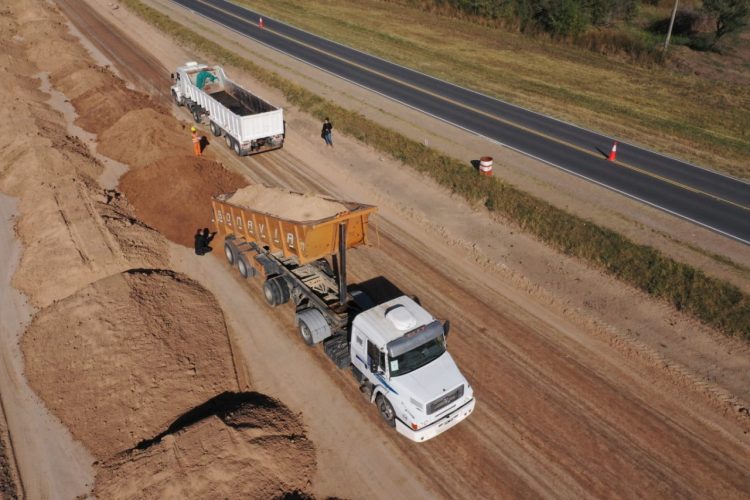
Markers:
{"x": 305, "y": 333}
{"x": 177, "y": 100}
{"x": 215, "y": 129}
{"x": 237, "y": 148}
{"x": 386, "y": 410}
{"x": 245, "y": 269}
{"x": 197, "y": 116}
{"x": 269, "y": 291}
{"x": 311, "y": 325}
{"x": 230, "y": 252}
{"x": 276, "y": 291}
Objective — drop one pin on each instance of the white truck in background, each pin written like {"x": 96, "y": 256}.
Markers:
{"x": 249, "y": 124}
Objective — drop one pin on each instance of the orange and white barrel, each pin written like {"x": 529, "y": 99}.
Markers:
{"x": 485, "y": 165}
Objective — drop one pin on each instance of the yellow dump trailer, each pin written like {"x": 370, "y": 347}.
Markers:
{"x": 302, "y": 261}
{"x": 306, "y": 241}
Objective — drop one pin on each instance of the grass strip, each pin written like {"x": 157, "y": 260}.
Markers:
{"x": 713, "y": 301}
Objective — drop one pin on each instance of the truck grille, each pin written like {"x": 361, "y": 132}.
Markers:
{"x": 445, "y": 400}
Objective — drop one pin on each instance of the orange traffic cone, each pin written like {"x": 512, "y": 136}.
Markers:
{"x": 261, "y": 24}
{"x": 613, "y": 153}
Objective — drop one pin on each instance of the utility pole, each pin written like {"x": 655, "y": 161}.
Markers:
{"x": 671, "y": 24}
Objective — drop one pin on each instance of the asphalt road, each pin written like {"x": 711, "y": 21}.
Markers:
{"x": 712, "y": 200}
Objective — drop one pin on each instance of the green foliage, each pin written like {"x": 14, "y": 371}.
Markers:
{"x": 557, "y": 17}
{"x": 730, "y": 16}
{"x": 712, "y": 301}
{"x": 562, "y": 17}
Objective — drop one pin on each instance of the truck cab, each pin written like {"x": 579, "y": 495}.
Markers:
{"x": 398, "y": 353}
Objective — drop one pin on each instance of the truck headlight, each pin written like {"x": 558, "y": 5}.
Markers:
{"x": 416, "y": 403}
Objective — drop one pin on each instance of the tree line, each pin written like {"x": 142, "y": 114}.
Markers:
{"x": 573, "y": 17}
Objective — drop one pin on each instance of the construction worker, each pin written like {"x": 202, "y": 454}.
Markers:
{"x": 196, "y": 141}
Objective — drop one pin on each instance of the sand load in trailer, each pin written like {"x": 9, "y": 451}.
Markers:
{"x": 295, "y": 225}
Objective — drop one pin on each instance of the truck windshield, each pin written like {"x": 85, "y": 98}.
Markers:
{"x": 417, "y": 357}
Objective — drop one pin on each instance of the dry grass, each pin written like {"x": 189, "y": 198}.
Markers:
{"x": 704, "y": 121}
{"x": 712, "y": 301}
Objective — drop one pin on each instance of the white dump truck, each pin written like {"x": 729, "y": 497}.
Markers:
{"x": 249, "y": 124}
{"x": 395, "y": 349}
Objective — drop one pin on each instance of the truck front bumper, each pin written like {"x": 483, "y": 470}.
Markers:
{"x": 437, "y": 427}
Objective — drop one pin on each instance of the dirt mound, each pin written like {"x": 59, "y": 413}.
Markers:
{"x": 235, "y": 445}
{"x": 122, "y": 358}
{"x": 286, "y": 204}
{"x": 173, "y": 195}
{"x": 144, "y": 136}
{"x": 100, "y": 98}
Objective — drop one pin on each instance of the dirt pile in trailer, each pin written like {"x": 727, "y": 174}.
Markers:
{"x": 286, "y": 204}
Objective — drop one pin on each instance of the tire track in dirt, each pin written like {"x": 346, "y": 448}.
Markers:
{"x": 556, "y": 403}
{"x": 608, "y": 425}
{"x": 137, "y": 65}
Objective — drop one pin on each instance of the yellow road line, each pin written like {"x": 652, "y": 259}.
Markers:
{"x": 479, "y": 111}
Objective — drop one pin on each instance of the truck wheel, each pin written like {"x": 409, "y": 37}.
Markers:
{"x": 245, "y": 269}
{"x": 386, "y": 410}
{"x": 230, "y": 251}
{"x": 305, "y": 333}
{"x": 215, "y": 129}
{"x": 312, "y": 325}
{"x": 177, "y": 100}
{"x": 228, "y": 139}
{"x": 197, "y": 115}
{"x": 276, "y": 291}
{"x": 269, "y": 291}
{"x": 237, "y": 148}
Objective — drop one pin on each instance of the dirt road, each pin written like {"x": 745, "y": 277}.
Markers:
{"x": 566, "y": 407}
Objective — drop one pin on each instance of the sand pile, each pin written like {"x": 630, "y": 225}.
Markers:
{"x": 71, "y": 237}
{"x": 100, "y": 98}
{"x": 143, "y": 136}
{"x": 141, "y": 246}
{"x": 122, "y": 358}
{"x": 237, "y": 445}
{"x": 173, "y": 195}
{"x": 49, "y": 44}
{"x": 286, "y": 204}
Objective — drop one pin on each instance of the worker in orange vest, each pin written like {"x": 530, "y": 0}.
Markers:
{"x": 196, "y": 141}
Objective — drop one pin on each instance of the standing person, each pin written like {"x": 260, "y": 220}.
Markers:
{"x": 326, "y": 132}
{"x": 196, "y": 141}
{"x": 200, "y": 242}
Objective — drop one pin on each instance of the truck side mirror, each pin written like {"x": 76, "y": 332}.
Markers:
{"x": 446, "y": 327}
{"x": 171, "y": 75}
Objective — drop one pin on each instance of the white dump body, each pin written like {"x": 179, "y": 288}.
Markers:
{"x": 245, "y": 118}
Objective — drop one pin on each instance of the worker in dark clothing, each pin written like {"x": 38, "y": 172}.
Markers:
{"x": 200, "y": 242}
{"x": 207, "y": 238}
{"x": 326, "y": 132}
